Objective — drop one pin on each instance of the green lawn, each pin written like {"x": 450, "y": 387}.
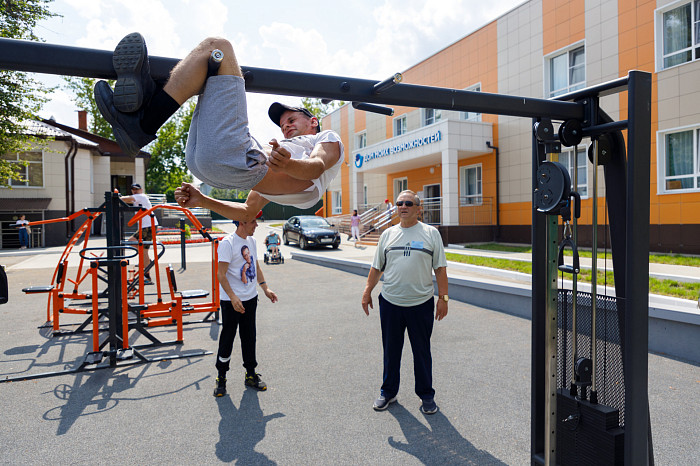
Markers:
{"x": 662, "y": 287}
{"x": 672, "y": 259}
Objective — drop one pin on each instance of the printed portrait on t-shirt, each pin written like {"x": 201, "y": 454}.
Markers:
{"x": 248, "y": 268}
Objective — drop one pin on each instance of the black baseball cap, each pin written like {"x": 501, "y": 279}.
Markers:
{"x": 136, "y": 186}
{"x": 277, "y": 109}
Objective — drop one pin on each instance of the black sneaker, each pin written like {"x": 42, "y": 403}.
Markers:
{"x": 255, "y": 382}
{"x": 126, "y": 126}
{"x": 220, "y": 389}
{"x": 429, "y": 407}
{"x": 382, "y": 403}
{"x": 134, "y": 85}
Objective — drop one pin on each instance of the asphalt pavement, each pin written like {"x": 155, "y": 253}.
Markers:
{"x": 321, "y": 358}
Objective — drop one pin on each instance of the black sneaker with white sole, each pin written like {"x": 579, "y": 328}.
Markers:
{"x": 134, "y": 86}
{"x": 382, "y": 403}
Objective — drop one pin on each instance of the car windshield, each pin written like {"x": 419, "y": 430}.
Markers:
{"x": 314, "y": 223}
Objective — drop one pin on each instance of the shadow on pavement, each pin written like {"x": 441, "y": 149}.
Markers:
{"x": 439, "y": 444}
{"x": 241, "y": 429}
{"x": 103, "y": 390}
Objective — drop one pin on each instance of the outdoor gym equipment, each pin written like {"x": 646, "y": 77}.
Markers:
{"x": 56, "y": 290}
{"x": 627, "y": 174}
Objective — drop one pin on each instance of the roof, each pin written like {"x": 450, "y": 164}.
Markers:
{"x": 104, "y": 145}
{"x": 46, "y": 129}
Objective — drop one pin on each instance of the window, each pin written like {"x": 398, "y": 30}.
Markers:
{"x": 400, "y": 125}
{"x": 680, "y": 34}
{"x": 681, "y": 169}
{"x": 567, "y": 72}
{"x": 430, "y": 116}
{"x": 30, "y": 166}
{"x": 337, "y": 202}
{"x": 567, "y": 159}
{"x": 470, "y": 185}
{"x": 471, "y": 116}
{"x": 364, "y": 195}
{"x": 361, "y": 140}
{"x": 400, "y": 184}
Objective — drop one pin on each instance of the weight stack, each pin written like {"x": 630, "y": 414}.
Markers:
{"x": 594, "y": 439}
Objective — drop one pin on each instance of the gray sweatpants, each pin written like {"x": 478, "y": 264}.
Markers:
{"x": 220, "y": 150}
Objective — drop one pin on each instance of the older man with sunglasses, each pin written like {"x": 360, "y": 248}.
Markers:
{"x": 407, "y": 255}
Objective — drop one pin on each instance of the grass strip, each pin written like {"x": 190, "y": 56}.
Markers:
{"x": 671, "y": 259}
{"x": 664, "y": 287}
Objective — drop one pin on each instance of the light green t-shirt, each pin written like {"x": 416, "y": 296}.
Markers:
{"x": 408, "y": 257}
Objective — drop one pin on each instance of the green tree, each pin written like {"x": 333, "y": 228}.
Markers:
{"x": 167, "y": 168}
{"x": 83, "y": 97}
{"x": 21, "y": 97}
{"x": 318, "y": 108}
{"x": 221, "y": 193}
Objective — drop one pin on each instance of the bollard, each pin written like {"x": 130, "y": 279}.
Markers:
{"x": 183, "y": 243}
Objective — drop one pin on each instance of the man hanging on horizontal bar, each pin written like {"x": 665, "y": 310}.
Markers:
{"x": 220, "y": 150}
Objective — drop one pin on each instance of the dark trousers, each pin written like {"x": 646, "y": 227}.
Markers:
{"x": 418, "y": 320}
{"x": 245, "y": 323}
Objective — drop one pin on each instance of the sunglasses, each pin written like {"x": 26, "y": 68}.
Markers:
{"x": 404, "y": 203}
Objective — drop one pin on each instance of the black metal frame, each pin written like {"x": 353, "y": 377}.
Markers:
{"x": 627, "y": 184}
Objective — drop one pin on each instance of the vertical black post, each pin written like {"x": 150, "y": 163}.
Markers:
{"x": 114, "y": 289}
{"x": 183, "y": 243}
{"x": 539, "y": 304}
{"x": 637, "y": 281}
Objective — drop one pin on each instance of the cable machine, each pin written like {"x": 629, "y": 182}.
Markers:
{"x": 626, "y": 171}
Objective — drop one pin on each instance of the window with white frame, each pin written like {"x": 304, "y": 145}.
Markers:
{"x": 471, "y": 116}
{"x": 681, "y": 159}
{"x": 567, "y": 159}
{"x": 400, "y": 184}
{"x": 431, "y": 115}
{"x": 337, "y": 202}
{"x": 400, "y": 125}
{"x": 566, "y": 71}
{"x": 29, "y": 166}
{"x": 361, "y": 140}
{"x": 678, "y": 34}
{"x": 470, "y": 185}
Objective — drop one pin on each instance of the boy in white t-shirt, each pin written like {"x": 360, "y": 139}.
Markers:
{"x": 238, "y": 276}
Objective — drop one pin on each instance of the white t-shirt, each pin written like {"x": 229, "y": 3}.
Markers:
{"x": 300, "y": 147}
{"x": 141, "y": 200}
{"x": 242, "y": 274}
{"x": 22, "y": 224}
{"x": 408, "y": 257}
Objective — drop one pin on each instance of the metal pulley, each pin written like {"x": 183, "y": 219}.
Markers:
{"x": 553, "y": 187}
{"x": 570, "y": 133}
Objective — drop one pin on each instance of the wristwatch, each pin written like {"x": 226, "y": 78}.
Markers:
{"x": 445, "y": 298}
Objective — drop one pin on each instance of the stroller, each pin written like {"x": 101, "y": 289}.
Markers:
{"x": 273, "y": 255}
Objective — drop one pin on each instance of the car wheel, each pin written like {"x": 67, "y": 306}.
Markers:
{"x": 336, "y": 244}
{"x": 303, "y": 244}
{"x": 286, "y": 240}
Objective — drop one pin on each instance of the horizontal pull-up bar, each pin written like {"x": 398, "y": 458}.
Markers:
{"x": 37, "y": 57}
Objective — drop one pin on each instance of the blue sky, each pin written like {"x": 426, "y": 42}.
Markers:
{"x": 369, "y": 39}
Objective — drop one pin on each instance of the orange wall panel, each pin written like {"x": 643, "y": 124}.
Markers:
{"x": 563, "y": 23}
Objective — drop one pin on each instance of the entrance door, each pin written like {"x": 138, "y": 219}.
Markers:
{"x": 432, "y": 204}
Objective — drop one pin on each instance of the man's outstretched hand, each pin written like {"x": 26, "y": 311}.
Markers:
{"x": 188, "y": 196}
